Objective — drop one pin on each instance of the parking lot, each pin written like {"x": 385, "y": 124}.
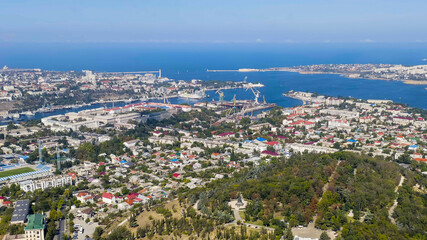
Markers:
{"x": 89, "y": 228}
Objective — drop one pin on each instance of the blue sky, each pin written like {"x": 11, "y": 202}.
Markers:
{"x": 268, "y": 21}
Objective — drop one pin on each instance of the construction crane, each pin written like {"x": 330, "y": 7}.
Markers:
{"x": 255, "y": 92}
{"x": 220, "y": 94}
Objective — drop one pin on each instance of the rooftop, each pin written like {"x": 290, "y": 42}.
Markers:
{"x": 35, "y": 221}
{"x": 21, "y": 210}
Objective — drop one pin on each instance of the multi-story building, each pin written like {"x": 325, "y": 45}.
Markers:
{"x": 32, "y": 185}
{"x": 35, "y": 227}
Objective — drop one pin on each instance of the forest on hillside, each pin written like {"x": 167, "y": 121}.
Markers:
{"x": 348, "y": 193}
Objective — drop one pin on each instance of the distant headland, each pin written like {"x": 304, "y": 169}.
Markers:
{"x": 416, "y": 75}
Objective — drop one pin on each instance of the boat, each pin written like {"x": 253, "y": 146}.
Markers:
{"x": 253, "y": 85}
{"x": 28, "y": 114}
{"x": 46, "y": 110}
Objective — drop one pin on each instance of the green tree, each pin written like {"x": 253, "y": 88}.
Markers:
{"x": 324, "y": 236}
{"x": 98, "y": 233}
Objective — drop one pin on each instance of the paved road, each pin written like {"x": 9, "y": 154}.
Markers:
{"x": 62, "y": 224}
{"x": 61, "y": 229}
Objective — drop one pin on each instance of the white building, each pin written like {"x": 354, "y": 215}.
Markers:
{"x": 338, "y": 123}
{"x": 32, "y": 185}
{"x": 298, "y": 147}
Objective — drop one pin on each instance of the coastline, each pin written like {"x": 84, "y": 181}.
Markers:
{"x": 347, "y": 75}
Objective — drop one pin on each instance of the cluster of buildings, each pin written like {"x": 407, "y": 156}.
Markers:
{"x": 174, "y": 157}
{"x": 34, "y": 223}
{"x": 119, "y": 117}
{"x": 17, "y": 84}
{"x": 371, "y": 71}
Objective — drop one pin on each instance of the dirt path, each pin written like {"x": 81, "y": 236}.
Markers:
{"x": 325, "y": 188}
{"x": 391, "y": 210}
{"x": 311, "y": 231}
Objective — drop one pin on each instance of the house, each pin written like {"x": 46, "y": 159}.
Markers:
{"x": 225, "y": 135}
{"x": 402, "y": 120}
{"x": 276, "y": 145}
{"x": 197, "y": 166}
{"x": 257, "y": 127}
{"x": 268, "y": 153}
{"x": 108, "y": 198}
{"x": 84, "y": 197}
{"x": 87, "y": 213}
{"x": 131, "y": 143}
{"x": 413, "y": 147}
{"x": 338, "y": 123}
{"x": 233, "y": 164}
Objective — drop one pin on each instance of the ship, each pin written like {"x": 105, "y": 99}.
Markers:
{"x": 194, "y": 95}
{"x": 28, "y": 114}
{"x": 253, "y": 85}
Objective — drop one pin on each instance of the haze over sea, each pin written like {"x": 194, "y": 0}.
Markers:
{"x": 189, "y": 61}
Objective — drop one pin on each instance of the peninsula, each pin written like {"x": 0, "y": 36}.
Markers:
{"x": 416, "y": 75}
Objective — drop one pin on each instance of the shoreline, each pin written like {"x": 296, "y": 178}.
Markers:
{"x": 347, "y": 75}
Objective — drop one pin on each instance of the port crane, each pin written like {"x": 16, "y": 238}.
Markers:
{"x": 255, "y": 92}
{"x": 204, "y": 92}
{"x": 234, "y": 103}
{"x": 220, "y": 94}
{"x": 188, "y": 97}
{"x": 165, "y": 98}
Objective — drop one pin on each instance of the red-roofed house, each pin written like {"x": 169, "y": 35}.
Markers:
{"x": 108, "y": 198}
{"x": 233, "y": 164}
{"x": 269, "y": 153}
{"x": 276, "y": 145}
{"x": 421, "y": 160}
{"x": 225, "y": 135}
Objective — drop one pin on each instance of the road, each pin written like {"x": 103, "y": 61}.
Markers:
{"x": 62, "y": 225}
{"x": 61, "y": 229}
